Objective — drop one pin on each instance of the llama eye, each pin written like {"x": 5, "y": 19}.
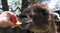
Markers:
{"x": 44, "y": 12}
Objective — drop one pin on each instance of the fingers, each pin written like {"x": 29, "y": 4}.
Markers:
{"x": 11, "y": 24}
{"x": 6, "y": 24}
{"x": 7, "y": 18}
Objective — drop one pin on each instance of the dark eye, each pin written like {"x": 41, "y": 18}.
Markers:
{"x": 42, "y": 11}
{"x": 45, "y": 12}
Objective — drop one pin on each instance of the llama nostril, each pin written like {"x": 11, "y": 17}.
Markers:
{"x": 23, "y": 16}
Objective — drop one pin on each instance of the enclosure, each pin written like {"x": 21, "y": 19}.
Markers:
{"x": 17, "y": 6}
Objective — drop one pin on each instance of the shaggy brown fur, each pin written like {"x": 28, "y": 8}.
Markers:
{"x": 42, "y": 20}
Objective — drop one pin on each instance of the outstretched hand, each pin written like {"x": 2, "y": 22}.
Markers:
{"x": 7, "y": 18}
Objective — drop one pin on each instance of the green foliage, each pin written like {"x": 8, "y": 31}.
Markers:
{"x": 58, "y": 11}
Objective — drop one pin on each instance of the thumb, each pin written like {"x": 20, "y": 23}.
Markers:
{"x": 11, "y": 24}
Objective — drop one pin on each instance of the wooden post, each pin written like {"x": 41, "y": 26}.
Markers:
{"x": 5, "y": 5}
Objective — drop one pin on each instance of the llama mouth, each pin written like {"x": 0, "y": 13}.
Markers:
{"x": 25, "y": 23}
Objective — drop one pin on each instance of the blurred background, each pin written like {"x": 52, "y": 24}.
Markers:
{"x": 17, "y": 6}
{"x": 20, "y": 5}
